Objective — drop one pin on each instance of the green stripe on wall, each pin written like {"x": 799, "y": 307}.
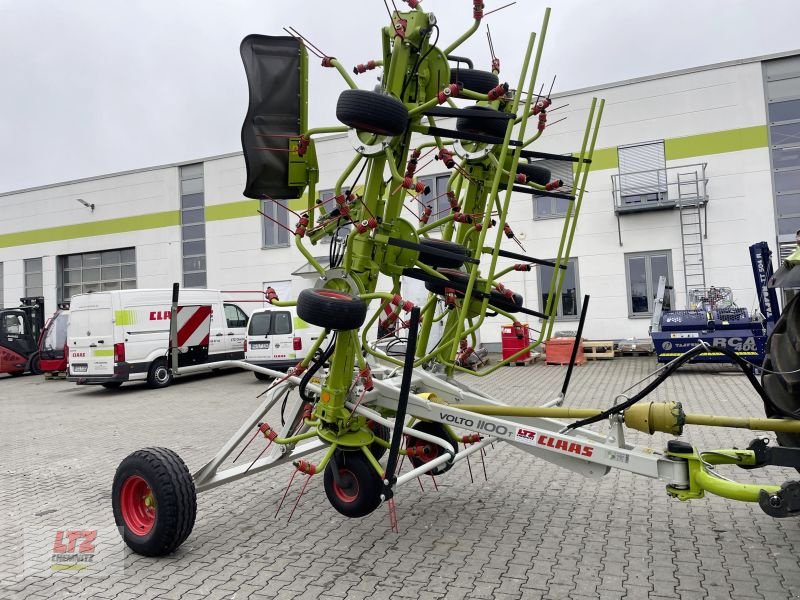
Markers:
{"x": 79, "y": 230}
{"x": 604, "y": 158}
{"x": 232, "y": 210}
{"x": 717, "y": 142}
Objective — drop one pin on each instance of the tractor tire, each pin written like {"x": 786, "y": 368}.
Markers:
{"x": 534, "y": 173}
{"x": 783, "y": 355}
{"x": 433, "y": 450}
{"x": 381, "y": 431}
{"x": 330, "y": 309}
{"x": 474, "y": 79}
{"x": 493, "y": 127}
{"x": 112, "y": 385}
{"x": 497, "y": 299}
{"x": 435, "y": 261}
{"x": 154, "y": 501}
{"x": 35, "y": 364}
{"x": 360, "y": 491}
{"x": 372, "y": 112}
{"x": 159, "y": 375}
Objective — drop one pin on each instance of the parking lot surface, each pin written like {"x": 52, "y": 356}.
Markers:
{"x": 531, "y": 531}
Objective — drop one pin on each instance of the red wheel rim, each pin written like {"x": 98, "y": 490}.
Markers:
{"x": 138, "y": 505}
{"x": 422, "y": 456}
{"x": 332, "y": 294}
{"x": 350, "y": 494}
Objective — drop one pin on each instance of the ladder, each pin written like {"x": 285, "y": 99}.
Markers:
{"x": 694, "y": 274}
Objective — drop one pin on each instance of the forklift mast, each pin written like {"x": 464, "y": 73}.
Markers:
{"x": 762, "y": 272}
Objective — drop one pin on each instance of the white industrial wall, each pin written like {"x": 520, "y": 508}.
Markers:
{"x": 739, "y": 212}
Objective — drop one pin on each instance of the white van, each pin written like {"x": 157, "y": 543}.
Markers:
{"x": 123, "y": 335}
{"x": 278, "y": 339}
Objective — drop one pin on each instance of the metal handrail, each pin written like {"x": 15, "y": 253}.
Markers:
{"x": 666, "y": 178}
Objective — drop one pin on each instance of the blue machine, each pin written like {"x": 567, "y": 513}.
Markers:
{"x": 717, "y": 321}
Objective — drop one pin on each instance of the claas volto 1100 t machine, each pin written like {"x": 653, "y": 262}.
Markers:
{"x": 357, "y": 409}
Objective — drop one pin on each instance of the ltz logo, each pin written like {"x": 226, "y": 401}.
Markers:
{"x": 69, "y": 554}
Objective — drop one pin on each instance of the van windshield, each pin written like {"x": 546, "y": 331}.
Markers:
{"x": 260, "y": 324}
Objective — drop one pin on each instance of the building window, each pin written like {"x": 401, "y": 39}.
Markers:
{"x": 97, "y": 271}
{"x": 642, "y": 271}
{"x": 193, "y": 226}
{"x": 642, "y": 174}
{"x": 545, "y": 207}
{"x": 33, "y": 277}
{"x": 783, "y": 114}
{"x": 569, "y": 302}
{"x": 436, "y": 197}
{"x": 275, "y": 235}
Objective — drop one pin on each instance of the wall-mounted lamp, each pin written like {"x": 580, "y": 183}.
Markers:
{"x": 85, "y": 203}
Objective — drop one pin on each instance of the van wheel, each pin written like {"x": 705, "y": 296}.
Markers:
{"x": 262, "y": 376}
{"x": 159, "y": 375}
{"x": 111, "y": 385}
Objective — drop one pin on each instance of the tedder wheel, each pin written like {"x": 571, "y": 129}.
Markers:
{"x": 474, "y": 79}
{"x": 35, "y": 365}
{"x": 358, "y": 489}
{"x": 159, "y": 375}
{"x": 433, "y": 450}
{"x": 534, "y": 173}
{"x": 381, "y": 431}
{"x": 783, "y": 354}
{"x": 330, "y": 309}
{"x": 262, "y": 376}
{"x": 372, "y": 112}
{"x": 493, "y": 127}
{"x": 438, "y": 286}
{"x": 112, "y": 385}
{"x": 154, "y": 501}
{"x": 436, "y": 261}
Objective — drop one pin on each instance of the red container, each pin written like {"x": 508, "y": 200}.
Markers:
{"x": 511, "y": 344}
{"x": 559, "y": 350}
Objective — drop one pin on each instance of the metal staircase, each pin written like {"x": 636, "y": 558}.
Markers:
{"x": 689, "y": 204}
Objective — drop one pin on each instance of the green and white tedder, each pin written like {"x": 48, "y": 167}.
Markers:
{"x": 355, "y": 405}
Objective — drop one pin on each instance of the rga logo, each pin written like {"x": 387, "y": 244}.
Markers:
{"x": 530, "y": 436}
{"x": 68, "y": 554}
{"x": 735, "y": 343}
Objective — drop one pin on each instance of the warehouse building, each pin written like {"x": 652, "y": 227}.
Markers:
{"x": 691, "y": 168}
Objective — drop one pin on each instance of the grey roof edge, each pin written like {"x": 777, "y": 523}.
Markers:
{"x": 603, "y": 86}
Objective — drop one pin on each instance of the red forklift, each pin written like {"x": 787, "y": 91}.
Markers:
{"x": 20, "y": 331}
{"x": 53, "y": 342}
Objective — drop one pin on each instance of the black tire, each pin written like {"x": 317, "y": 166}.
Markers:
{"x": 511, "y": 305}
{"x": 172, "y": 490}
{"x": 474, "y": 79}
{"x": 434, "y": 450}
{"x": 783, "y": 354}
{"x": 436, "y": 261}
{"x": 262, "y": 376}
{"x": 112, "y": 385}
{"x": 16, "y": 373}
{"x": 330, "y": 309}
{"x": 372, "y": 112}
{"x": 534, "y": 173}
{"x": 497, "y": 299}
{"x": 361, "y": 492}
{"x": 159, "y": 375}
{"x": 493, "y": 127}
{"x": 381, "y": 431}
{"x": 35, "y": 364}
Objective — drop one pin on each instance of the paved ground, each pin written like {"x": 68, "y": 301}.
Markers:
{"x": 531, "y": 531}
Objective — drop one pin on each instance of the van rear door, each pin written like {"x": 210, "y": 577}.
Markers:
{"x": 91, "y": 336}
{"x": 259, "y": 346}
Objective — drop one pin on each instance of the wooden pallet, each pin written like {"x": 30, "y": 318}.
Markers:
{"x": 642, "y": 352}
{"x": 598, "y": 350}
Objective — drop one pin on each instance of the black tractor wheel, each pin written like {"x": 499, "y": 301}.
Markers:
{"x": 112, "y": 385}
{"x": 154, "y": 501}
{"x": 436, "y": 261}
{"x": 488, "y": 126}
{"x": 534, "y": 173}
{"x": 35, "y": 364}
{"x": 474, "y": 80}
{"x": 262, "y": 376}
{"x": 381, "y": 431}
{"x": 511, "y": 305}
{"x": 427, "y": 451}
{"x": 159, "y": 375}
{"x": 330, "y": 309}
{"x": 372, "y": 112}
{"x": 356, "y": 492}
{"x": 781, "y": 375}
{"x": 438, "y": 286}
